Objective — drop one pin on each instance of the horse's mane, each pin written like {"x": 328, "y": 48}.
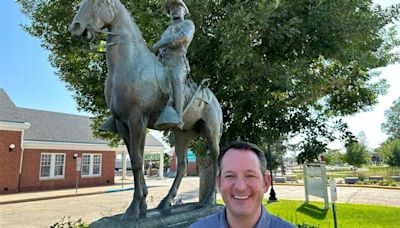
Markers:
{"x": 113, "y": 4}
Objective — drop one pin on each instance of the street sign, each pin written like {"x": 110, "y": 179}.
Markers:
{"x": 78, "y": 164}
{"x": 332, "y": 185}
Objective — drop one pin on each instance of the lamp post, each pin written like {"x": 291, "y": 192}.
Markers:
{"x": 272, "y": 195}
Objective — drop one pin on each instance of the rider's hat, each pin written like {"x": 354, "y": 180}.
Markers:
{"x": 169, "y": 3}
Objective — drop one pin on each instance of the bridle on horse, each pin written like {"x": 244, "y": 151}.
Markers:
{"x": 91, "y": 21}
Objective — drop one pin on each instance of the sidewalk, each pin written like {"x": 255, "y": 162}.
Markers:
{"x": 127, "y": 185}
{"x": 188, "y": 191}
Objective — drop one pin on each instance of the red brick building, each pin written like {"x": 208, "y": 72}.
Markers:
{"x": 39, "y": 150}
{"x": 192, "y": 169}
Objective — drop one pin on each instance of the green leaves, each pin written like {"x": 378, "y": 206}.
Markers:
{"x": 356, "y": 154}
{"x": 277, "y": 67}
{"x": 390, "y": 152}
{"x": 392, "y": 125}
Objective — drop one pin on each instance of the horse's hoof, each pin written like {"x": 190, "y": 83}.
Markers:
{"x": 143, "y": 207}
{"x": 208, "y": 200}
{"x": 131, "y": 214}
{"x": 163, "y": 205}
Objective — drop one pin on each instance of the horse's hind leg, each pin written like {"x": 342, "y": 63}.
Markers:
{"x": 181, "y": 146}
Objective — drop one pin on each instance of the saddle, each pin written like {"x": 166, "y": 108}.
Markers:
{"x": 168, "y": 117}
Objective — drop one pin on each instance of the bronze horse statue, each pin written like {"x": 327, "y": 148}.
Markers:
{"x": 136, "y": 92}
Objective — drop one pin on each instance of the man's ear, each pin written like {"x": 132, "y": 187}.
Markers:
{"x": 218, "y": 180}
{"x": 267, "y": 181}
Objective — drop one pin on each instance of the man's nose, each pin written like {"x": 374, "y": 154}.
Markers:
{"x": 240, "y": 184}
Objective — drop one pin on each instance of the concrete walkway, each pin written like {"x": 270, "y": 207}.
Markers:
{"x": 189, "y": 192}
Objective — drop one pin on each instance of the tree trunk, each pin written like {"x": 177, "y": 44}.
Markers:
{"x": 206, "y": 176}
{"x": 283, "y": 170}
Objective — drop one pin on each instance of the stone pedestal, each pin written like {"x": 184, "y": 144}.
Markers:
{"x": 175, "y": 217}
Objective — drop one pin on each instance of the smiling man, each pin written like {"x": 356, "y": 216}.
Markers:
{"x": 242, "y": 182}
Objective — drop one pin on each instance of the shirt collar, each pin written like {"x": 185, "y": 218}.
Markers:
{"x": 262, "y": 220}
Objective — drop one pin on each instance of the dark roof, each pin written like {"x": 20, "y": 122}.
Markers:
{"x": 8, "y": 111}
{"x": 58, "y": 127}
{"x": 54, "y": 126}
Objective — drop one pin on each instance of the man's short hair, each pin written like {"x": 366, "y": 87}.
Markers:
{"x": 243, "y": 146}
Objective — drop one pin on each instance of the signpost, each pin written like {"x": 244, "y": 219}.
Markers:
{"x": 332, "y": 185}
{"x": 78, "y": 169}
{"x": 315, "y": 182}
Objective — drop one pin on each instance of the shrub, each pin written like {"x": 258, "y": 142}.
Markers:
{"x": 67, "y": 223}
{"x": 361, "y": 176}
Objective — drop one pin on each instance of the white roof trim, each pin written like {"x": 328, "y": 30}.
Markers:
{"x": 66, "y": 146}
{"x": 82, "y": 146}
{"x": 14, "y": 126}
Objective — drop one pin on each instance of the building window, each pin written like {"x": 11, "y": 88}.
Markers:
{"x": 52, "y": 165}
{"x": 91, "y": 164}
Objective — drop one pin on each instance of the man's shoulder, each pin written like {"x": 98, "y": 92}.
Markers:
{"x": 209, "y": 221}
{"x": 279, "y": 223}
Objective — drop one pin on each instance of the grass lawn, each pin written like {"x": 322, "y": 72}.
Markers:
{"x": 386, "y": 172}
{"x": 363, "y": 175}
{"x": 348, "y": 215}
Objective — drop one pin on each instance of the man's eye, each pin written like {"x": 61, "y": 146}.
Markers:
{"x": 229, "y": 176}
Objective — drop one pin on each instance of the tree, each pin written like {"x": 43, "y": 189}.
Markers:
{"x": 389, "y": 151}
{"x": 356, "y": 154}
{"x": 334, "y": 157}
{"x": 274, "y": 157}
{"x": 392, "y": 125}
{"x": 394, "y": 159}
{"x": 362, "y": 138}
{"x": 277, "y": 67}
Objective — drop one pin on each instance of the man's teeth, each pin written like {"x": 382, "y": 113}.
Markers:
{"x": 241, "y": 197}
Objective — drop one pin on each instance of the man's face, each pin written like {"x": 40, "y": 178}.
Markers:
{"x": 241, "y": 183}
{"x": 177, "y": 12}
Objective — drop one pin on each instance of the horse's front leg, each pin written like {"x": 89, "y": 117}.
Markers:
{"x": 137, "y": 136}
{"x": 181, "y": 147}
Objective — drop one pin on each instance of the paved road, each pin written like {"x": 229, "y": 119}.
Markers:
{"x": 91, "y": 207}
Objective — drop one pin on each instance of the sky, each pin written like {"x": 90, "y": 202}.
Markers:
{"x": 29, "y": 80}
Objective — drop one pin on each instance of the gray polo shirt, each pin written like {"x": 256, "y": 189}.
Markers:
{"x": 266, "y": 220}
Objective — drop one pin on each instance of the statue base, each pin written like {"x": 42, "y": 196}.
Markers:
{"x": 175, "y": 217}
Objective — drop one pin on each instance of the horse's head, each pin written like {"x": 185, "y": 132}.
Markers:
{"x": 92, "y": 16}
